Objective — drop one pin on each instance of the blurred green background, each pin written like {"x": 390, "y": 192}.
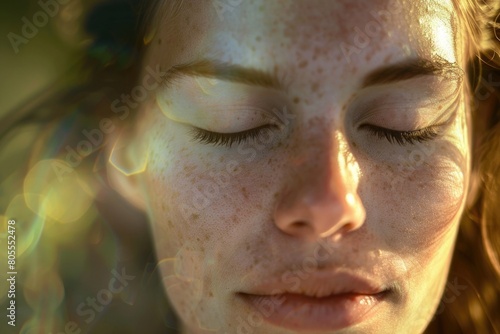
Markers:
{"x": 48, "y": 56}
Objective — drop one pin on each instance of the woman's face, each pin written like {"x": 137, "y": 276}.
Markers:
{"x": 306, "y": 163}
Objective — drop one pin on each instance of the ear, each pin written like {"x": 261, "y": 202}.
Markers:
{"x": 127, "y": 161}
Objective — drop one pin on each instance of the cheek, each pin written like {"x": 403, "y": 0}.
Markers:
{"x": 203, "y": 203}
{"x": 436, "y": 206}
{"x": 416, "y": 206}
{"x": 199, "y": 196}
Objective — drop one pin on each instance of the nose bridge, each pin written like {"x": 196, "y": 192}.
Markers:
{"x": 326, "y": 168}
{"x": 320, "y": 198}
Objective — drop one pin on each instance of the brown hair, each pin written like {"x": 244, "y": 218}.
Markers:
{"x": 474, "y": 306}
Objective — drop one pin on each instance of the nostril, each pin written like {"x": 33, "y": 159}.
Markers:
{"x": 348, "y": 227}
{"x": 299, "y": 225}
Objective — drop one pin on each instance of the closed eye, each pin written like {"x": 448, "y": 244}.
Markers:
{"x": 228, "y": 139}
{"x": 403, "y": 137}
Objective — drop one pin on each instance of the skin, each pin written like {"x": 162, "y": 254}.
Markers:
{"x": 376, "y": 207}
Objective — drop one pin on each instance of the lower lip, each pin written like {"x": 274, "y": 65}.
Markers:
{"x": 299, "y": 312}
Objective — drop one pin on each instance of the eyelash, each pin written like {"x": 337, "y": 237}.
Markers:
{"x": 393, "y": 136}
{"x": 228, "y": 139}
{"x": 403, "y": 137}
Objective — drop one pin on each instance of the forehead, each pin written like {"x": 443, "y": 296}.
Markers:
{"x": 316, "y": 35}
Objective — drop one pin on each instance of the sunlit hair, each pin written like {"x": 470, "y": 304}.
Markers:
{"x": 476, "y": 261}
{"x": 58, "y": 241}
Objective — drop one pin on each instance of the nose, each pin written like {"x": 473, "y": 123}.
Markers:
{"x": 320, "y": 198}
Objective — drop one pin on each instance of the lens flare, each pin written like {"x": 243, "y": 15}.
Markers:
{"x": 48, "y": 190}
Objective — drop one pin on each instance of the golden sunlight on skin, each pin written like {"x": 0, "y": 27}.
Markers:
{"x": 318, "y": 187}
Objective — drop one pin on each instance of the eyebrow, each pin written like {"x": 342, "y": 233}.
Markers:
{"x": 404, "y": 70}
{"x": 413, "y": 68}
{"x": 224, "y": 71}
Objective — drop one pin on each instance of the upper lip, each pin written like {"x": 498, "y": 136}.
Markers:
{"x": 319, "y": 284}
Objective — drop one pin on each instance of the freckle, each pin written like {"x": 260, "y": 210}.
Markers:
{"x": 159, "y": 41}
{"x": 258, "y": 38}
{"x": 303, "y": 64}
{"x": 440, "y": 107}
{"x": 210, "y": 294}
{"x": 244, "y": 192}
{"x": 354, "y": 144}
{"x": 315, "y": 87}
{"x": 368, "y": 57}
{"x": 296, "y": 100}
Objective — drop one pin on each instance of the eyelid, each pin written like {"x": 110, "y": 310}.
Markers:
{"x": 443, "y": 119}
{"x": 421, "y": 134}
{"x": 380, "y": 105}
{"x": 405, "y": 137}
{"x": 228, "y": 139}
